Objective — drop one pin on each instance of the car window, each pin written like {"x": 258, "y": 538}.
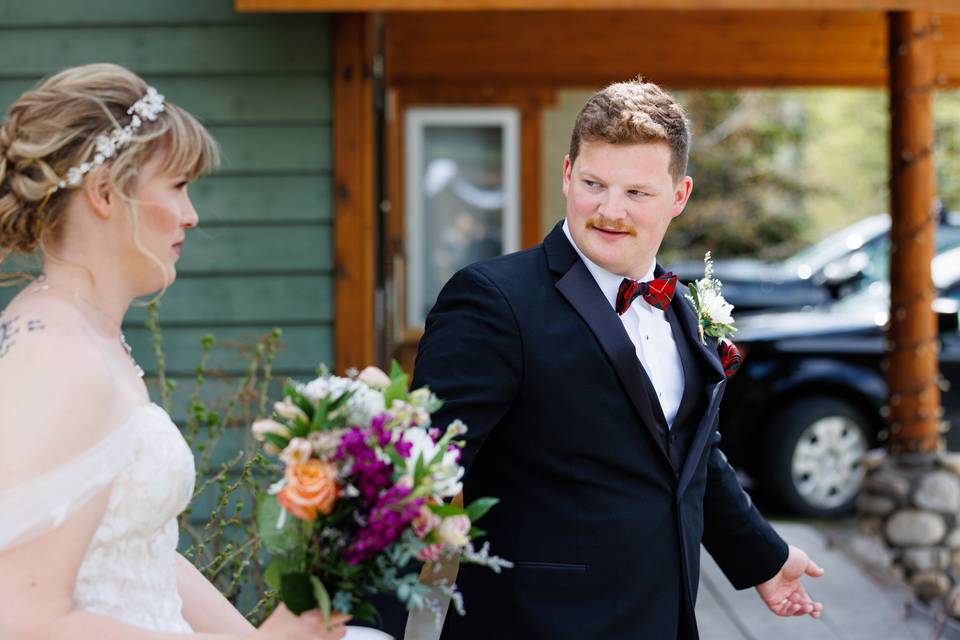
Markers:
{"x": 838, "y": 244}
{"x": 877, "y": 252}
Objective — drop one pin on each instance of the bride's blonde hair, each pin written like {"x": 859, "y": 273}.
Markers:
{"x": 53, "y": 127}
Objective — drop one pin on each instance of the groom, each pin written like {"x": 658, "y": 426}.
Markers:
{"x": 592, "y": 413}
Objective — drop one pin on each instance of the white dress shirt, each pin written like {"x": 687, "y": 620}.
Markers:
{"x": 650, "y": 333}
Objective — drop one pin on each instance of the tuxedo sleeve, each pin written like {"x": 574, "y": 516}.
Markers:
{"x": 745, "y": 546}
{"x": 471, "y": 356}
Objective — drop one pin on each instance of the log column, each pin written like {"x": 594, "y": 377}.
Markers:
{"x": 912, "y": 372}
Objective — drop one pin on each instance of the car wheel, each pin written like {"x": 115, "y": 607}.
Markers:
{"x": 811, "y": 457}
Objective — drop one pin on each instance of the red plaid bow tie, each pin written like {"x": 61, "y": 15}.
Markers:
{"x": 657, "y": 292}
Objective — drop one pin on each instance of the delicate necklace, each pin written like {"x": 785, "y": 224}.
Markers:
{"x": 43, "y": 286}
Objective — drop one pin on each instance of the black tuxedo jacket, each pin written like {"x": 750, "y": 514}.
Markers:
{"x": 602, "y": 509}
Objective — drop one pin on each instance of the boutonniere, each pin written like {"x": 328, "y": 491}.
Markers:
{"x": 714, "y": 314}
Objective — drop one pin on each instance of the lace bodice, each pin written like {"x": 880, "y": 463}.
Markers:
{"x": 129, "y": 571}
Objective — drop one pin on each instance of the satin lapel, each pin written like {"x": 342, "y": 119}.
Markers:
{"x": 581, "y": 291}
{"x": 715, "y": 394}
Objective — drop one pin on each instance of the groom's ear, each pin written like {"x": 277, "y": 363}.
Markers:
{"x": 681, "y": 194}
{"x": 567, "y": 173}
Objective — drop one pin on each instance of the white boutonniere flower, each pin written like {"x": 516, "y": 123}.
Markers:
{"x": 714, "y": 314}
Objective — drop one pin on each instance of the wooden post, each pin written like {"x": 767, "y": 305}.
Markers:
{"x": 912, "y": 372}
{"x": 354, "y": 204}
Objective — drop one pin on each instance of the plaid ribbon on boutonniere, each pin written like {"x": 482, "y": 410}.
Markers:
{"x": 714, "y": 316}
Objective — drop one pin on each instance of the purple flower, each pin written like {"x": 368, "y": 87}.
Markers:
{"x": 370, "y": 474}
{"x": 389, "y": 518}
{"x": 378, "y": 429}
{"x": 403, "y": 448}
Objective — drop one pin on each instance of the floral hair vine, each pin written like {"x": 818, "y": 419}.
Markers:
{"x": 146, "y": 108}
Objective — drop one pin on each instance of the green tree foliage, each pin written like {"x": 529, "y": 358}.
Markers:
{"x": 746, "y": 162}
{"x": 777, "y": 169}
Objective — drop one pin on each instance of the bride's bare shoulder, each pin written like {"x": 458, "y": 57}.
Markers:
{"x": 43, "y": 336}
{"x": 56, "y": 391}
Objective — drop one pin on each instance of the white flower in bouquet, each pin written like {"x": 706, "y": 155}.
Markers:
{"x": 364, "y": 404}
{"x": 288, "y": 410}
{"x": 261, "y": 427}
{"x": 407, "y": 415}
{"x": 325, "y": 443}
{"x": 455, "y": 531}
{"x": 445, "y": 475}
{"x": 374, "y": 377}
{"x": 297, "y": 452}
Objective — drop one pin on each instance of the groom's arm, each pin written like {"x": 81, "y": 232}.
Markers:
{"x": 744, "y": 545}
{"x": 470, "y": 356}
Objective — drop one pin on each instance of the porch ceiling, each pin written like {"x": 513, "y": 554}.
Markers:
{"x": 674, "y": 48}
{"x": 550, "y": 5}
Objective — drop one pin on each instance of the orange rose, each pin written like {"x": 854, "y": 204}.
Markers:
{"x": 310, "y": 489}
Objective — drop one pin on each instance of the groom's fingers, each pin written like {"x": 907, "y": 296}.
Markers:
{"x": 813, "y": 569}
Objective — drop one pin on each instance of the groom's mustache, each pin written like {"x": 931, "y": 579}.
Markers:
{"x": 616, "y": 226}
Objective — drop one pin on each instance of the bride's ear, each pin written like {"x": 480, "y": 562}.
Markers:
{"x": 100, "y": 192}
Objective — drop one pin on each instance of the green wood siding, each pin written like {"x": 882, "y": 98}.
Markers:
{"x": 262, "y": 256}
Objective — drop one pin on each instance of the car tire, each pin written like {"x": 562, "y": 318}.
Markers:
{"x": 811, "y": 454}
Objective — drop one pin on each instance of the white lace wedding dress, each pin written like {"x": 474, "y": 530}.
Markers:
{"x": 130, "y": 568}
{"x": 129, "y": 571}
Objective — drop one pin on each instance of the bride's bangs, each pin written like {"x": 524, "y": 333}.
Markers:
{"x": 190, "y": 150}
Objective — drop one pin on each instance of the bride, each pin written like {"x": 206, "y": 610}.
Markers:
{"x": 94, "y": 168}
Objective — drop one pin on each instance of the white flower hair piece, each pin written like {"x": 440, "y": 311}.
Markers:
{"x": 146, "y": 109}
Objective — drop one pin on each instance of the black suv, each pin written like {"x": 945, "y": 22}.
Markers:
{"x": 807, "y": 401}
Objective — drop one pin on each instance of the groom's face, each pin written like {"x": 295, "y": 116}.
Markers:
{"x": 620, "y": 200}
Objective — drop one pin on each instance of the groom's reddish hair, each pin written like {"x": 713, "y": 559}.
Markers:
{"x": 634, "y": 112}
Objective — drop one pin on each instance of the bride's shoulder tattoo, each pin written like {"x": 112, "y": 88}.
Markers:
{"x": 11, "y": 328}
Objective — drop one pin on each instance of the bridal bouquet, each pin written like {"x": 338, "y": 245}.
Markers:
{"x": 365, "y": 490}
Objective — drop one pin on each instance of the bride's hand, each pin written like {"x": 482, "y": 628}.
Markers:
{"x": 284, "y": 625}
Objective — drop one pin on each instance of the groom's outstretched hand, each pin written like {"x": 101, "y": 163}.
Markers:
{"x": 784, "y": 594}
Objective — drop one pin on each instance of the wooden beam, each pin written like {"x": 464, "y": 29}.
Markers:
{"x": 914, "y": 397}
{"x": 675, "y": 49}
{"x": 583, "y": 5}
{"x": 354, "y": 211}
